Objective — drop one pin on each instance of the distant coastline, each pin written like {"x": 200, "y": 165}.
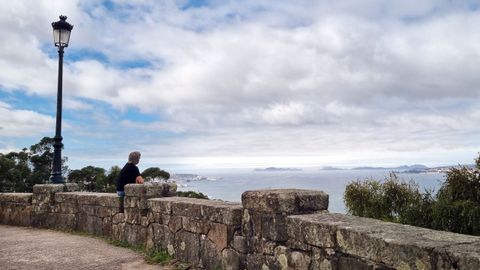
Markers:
{"x": 416, "y": 168}
{"x": 275, "y": 169}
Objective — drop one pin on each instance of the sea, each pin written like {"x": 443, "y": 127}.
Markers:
{"x": 229, "y": 184}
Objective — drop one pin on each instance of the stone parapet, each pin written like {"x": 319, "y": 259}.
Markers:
{"x": 271, "y": 229}
{"x": 285, "y": 201}
{"x": 199, "y": 231}
{"x": 16, "y": 208}
{"x": 343, "y": 238}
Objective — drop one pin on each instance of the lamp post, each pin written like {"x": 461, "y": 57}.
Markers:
{"x": 61, "y": 36}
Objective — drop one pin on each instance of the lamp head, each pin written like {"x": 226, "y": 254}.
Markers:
{"x": 61, "y": 32}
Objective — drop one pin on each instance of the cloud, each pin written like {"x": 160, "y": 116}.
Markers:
{"x": 23, "y": 123}
{"x": 242, "y": 78}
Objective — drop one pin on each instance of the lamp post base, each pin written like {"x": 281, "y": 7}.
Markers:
{"x": 56, "y": 178}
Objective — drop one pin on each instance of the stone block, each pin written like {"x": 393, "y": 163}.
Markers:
{"x": 304, "y": 229}
{"x": 232, "y": 260}
{"x": 118, "y": 218}
{"x": 118, "y": 231}
{"x": 68, "y": 208}
{"x": 210, "y": 256}
{"x": 135, "y": 234}
{"x": 352, "y": 263}
{"x": 187, "y": 247}
{"x": 66, "y": 197}
{"x": 466, "y": 256}
{"x": 239, "y": 244}
{"x": 107, "y": 226}
{"x": 66, "y": 221}
{"x": 222, "y": 212}
{"x": 131, "y": 202}
{"x": 133, "y": 216}
{"x": 288, "y": 201}
{"x": 103, "y": 211}
{"x": 54, "y": 188}
{"x": 199, "y": 226}
{"x": 22, "y": 198}
{"x": 87, "y": 209}
{"x": 323, "y": 259}
{"x": 87, "y": 198}
{"x": 251, "y": 223}
{"x": 256, "y": 261}
{"x": 109, "y": 200}
{"x": 175, "y": 223}
{"x": 188, "y": 207}
{"x": 163, "y": 238}
{"x": 150, "y": 190}
{"x": 220, "y": 234}
{"x": 274, "y": 227}
{"x": 163, "y": 205}
{"x": 389, "y": 244}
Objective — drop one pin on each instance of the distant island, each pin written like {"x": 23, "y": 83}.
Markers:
{"x": 415, "y": 167}
{"x": 330, "y": 168}
{"x": 275, "y": 169}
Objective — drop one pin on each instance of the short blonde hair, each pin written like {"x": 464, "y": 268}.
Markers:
{"x": 134, "y": 157}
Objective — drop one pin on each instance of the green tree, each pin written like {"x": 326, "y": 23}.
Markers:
{"x": 89, "y": 178}
{"x": 155, "y": 173}
{"x": 111, "y": 178}
{"x": 457, "y": 208}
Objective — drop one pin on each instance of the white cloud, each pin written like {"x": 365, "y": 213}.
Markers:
{"x": 318, "y": 78}
{"x": 23, "y": 123}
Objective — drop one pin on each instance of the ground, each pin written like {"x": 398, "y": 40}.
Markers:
{"x": 30, "y": 248}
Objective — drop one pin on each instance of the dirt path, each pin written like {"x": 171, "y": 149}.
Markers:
{"x": 30, "y": 248}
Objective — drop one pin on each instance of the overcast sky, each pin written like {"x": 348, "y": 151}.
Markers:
{"x": 220, "y": 83}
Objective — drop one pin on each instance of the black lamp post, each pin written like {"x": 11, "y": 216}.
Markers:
{"x": 61, "y": 36}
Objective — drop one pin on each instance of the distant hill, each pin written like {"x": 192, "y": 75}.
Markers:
{"x": 330, "y": 168}
{"x": 413, "y": 168}
{"x": 275, "y": 169}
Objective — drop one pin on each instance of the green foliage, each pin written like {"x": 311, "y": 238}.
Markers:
{"x": 455, "y": 207}
{"x": 191, "y": 194}
{"x": 156, "y": 256}
{"x": 89, "y": 178}
{"x": 458, "y": 201}
{"x": 390, "y": 200}
{"x": 20, "y": 171}
{"x": 155, "y": 173}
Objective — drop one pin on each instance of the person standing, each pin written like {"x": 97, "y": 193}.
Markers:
{"x": 128, "y": 175}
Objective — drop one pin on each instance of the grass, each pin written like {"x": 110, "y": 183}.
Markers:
{"x": 154, "y": 256}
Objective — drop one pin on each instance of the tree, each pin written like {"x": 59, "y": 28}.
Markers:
{"x": 457, "y": 208}
{"x": 155, "y": 173}
{"x": 89, "y": 178}
{"x": 111, "y": 178}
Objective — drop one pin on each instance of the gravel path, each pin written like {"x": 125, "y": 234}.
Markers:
{"x": 30, "y": 248}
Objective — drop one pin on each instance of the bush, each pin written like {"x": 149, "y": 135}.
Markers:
{"x": 390, "y": 200}
{"x": 192, "y": 194}
{"x": 455, "y": 207}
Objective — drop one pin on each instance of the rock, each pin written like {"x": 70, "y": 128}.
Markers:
{"x": 25, "y": 198}
{"x": 163, "y": 237}
{"x": 199, "y": 226}
{"x": 233, "y": 260}
{"x": 288, "y": 201}
{"x": 187, "y": 247}
{"x": 210, "y": 256}
{"x": 220, "y": 234}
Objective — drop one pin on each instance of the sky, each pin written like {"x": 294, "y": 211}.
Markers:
{"x": 252, "y": 83}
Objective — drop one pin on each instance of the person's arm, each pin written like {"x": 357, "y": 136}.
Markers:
{"x": 139, "y": 180}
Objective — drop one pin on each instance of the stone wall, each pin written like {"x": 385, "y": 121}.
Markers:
{"x": 270, "y": 229}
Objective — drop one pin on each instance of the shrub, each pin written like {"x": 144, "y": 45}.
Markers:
{"x": 455, "y": 207}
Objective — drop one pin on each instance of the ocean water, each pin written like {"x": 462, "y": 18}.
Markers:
{"x": 231, "y": 183}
